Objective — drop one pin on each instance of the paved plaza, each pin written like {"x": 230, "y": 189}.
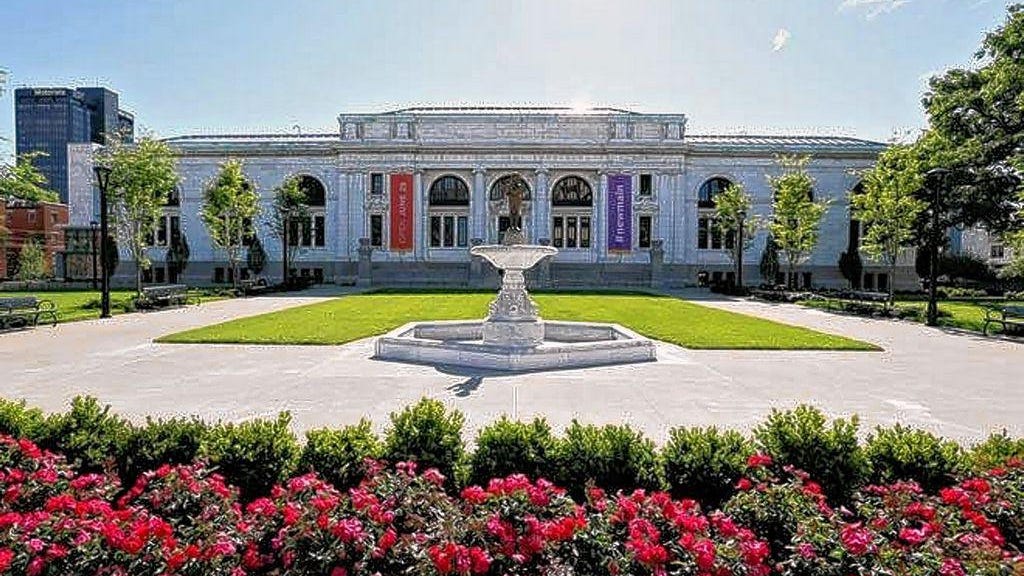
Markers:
{"x": 960, "y": 385}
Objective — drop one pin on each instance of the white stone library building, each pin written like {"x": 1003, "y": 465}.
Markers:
{"x": 399, "y": 198}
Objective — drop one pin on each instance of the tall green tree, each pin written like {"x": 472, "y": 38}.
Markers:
{"x": 1015, "y": 240}
{"x": 289, "y": 205}
{"x": 796, "y": 217}
{"x": 32, "y": 262}
{"x": 230, "y": 206}
{"x": 733, "y": 212}
{"x": 23, "y": 181}
{"x": 976, "y": 116}
{"x": 142, "y": 177}
{"x": 888, "y": 206}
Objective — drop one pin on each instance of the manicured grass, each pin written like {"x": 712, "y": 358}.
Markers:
{"x": 963, "y": 314}
{"x": 354, "y": 317}
{"x": 75, "y": 305}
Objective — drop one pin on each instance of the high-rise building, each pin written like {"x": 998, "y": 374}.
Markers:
{"x": 48, "y": 119}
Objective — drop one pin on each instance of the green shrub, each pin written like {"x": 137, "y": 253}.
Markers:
{"x": 17, "y": 420}
{"x": 901, "y": 453}
{"x": 253, "y": 455}
{"x": 158, "y": 442}
{"x": 88, "y": 434}
{"x": 704, "y": 463}
{"x": 338, "y": 455}
{"x": 430, "y": 435}
{"x": 995, "y": 451}
{"x": 508, "y": 446}
{"x": 612, "y": 457}
{"x": 830, "y": 454}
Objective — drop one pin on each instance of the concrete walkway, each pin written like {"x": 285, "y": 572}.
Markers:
{"x": 962, "y": 386}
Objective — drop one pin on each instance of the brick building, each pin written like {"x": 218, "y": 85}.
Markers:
{"x": 43, "y": 222}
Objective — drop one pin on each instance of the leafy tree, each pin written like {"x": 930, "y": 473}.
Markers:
{"x": 977, "y": 131}
{"x": 32, "y": 262}
{"x": 733, "y": 207}
{"x": 769, "y": 266}
{"x": 289, "y": 205}
{"x": 113, "y": 255}
{"x": 851, "y": 267}
{"x": 1015, "y": 240}
{"x": 796, "y": 217}
{"x": 888, "y": 206}
{"x": 142, "y": 177}
{"x": 256, "y": 259}
{"x": 230, "y": 204}
{"x": 178, "y": 254}
{"x": 23, "y": 181}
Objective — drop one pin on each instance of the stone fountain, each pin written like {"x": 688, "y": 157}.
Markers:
{"x": 513, "y": 337}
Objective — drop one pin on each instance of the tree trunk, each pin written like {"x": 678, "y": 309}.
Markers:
{"x": 892, "y": 282}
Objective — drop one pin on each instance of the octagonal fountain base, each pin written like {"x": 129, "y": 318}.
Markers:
{"x": 564, "y": 345}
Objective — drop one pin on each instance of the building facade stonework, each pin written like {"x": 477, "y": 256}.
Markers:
{"x": 409, "y": 192}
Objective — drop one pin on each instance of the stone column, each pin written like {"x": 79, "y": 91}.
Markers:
{"x": 357, "y": 194}
{"x": 419, "y": 203}
{"x": 541, "y": 208}
{"x": 478, "y": 204}
{"x": 365, "y": 269}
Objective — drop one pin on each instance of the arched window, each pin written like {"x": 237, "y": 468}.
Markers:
{"x": 174, "y": 197}
{"x": 314, "y": 191}
{"x": 501, "y": 187}
{"x": 710, "y": 189}
{"x": 449, "y": 191}
{"x": 709, "y": 233}
{"x": 167, "y": 230}
{"x": 310, "y": 231}
{"x": 572, "y": 202}
{"x": 449, "y": 213}
{"x": 572, "y": 191}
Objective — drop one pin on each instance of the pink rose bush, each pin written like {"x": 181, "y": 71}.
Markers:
{"x": 186, "y": 520}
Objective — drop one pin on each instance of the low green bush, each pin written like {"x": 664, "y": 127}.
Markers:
{"x": 253, "y": 455}
{"x": 339, "y": 456}
{"x": 803, "y": 438}
{"x": 611, "y": 457}
{"x": 157, "y": 442}
{"x": 998, "y": 449}
{"x": 87, "y": 434}
{"x": 704, "y": 463}
{"x": 901, "y": 453}
{"x": 509, "y": 446}
{"x": 430, "y": 435}
{"x": 18, "y": 420}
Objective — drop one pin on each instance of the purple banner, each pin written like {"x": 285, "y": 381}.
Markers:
{"x": 620, "y": 212}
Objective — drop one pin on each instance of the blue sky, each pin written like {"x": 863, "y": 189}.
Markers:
{"x": 853, "y": 67}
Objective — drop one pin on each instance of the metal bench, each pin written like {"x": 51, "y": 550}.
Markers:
{"x": 252, "y": 286}
{"x": 162, "y": 296}
{"x": 1010, "y": 317}
{"x": 22, "y": 311}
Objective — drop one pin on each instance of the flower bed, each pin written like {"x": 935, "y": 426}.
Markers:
{"x": 185, "y": 519}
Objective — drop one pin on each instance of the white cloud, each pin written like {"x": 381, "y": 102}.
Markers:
{"x": 780, "y": 40}
{"x": 873, "y": 8}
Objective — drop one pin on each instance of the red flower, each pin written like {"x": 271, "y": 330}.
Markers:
{"x": 744, "y": 484}
{"x": 759, "y": 460}
{"x": 433, "y": 476}
{"x": 856, "y": 539}
{"x": 754, "y": 552}
{"x": 474, "y": 495}
{"x": 6, "y": 556}
{"x": 951, "y": 567}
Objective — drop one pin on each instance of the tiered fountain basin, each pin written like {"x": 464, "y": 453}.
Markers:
{"x": 513, "y": 337}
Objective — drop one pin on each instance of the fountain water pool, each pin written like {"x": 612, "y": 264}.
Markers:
{"x": 513, "y": 337}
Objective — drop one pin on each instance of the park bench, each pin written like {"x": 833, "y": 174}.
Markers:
{"x": 21, "y": 311}
{"x": 856, "y": 301}
{"x": 252, "y": 286}
{"x": 162, "y": 296}
{"x": 1010, "y": 317}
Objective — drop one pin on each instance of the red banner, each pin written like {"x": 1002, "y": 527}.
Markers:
{"x": 401, "y": 212}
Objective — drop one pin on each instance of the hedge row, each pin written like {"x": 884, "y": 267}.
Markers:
{"x": 699, "y": 463}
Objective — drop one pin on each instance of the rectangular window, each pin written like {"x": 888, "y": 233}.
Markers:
{"x": 716, "y": 235}
{"x": 449, "y": 232}
{"x": 702, "y": 234}
{"x": 646, "y": 184}
{"x": 996, "y": 251}
{"x": 307, "y": 236}
{"x": 462, "y": 235}
{"x": 376, "y": 183}
{"x": 570, "y": 232}
{"x": 218, "y": 275}
{"x": 147, "y": 276}
{"x": 161, "y": 231}
{"x": 318, "y": 275}
{"x": 293, "y": 231}
{"x": 175, "y": 229}
{"x": 376, "y": 230}
{"x": 883, "y": 282}
{"x": 730, "y": 240}
{"x": 584, "y": 232}
{"x": 644, "y": 234}
{"x": 158, "y": 275}
{"x": 318, "y": 225}
{"x": 807, "y": 280}
{"x": 435, "y": 231}
{"x": 558, "y": 233}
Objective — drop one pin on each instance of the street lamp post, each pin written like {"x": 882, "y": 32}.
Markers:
{"x": 103, "y": 179}
{"x": 739, "y": 249}
{"x": 92, "y": 244}
{"x": 935, "y": 181}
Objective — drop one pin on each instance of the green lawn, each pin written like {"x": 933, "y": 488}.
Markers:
{"x": 342, "y": 320}
{"x": 963, "y": 314}
{"x": 75, "y": 305}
